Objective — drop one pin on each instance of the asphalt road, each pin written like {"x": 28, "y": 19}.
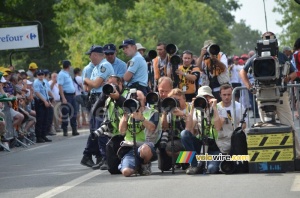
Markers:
{"x": 54, "y": 170}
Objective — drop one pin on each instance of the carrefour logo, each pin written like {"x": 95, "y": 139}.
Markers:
{"x": 9, "y": 38}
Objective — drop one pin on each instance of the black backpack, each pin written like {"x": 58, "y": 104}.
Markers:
{"x": 113, "y": 160}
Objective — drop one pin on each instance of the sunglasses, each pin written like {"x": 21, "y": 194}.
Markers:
{"x": 109, "y": 53}
{"x": 40, "y": 74}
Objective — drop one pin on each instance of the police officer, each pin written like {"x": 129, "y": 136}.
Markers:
{"x": 42, "y": 105}
{"x": 136, "y": 75}
{"x": 101, "y": 72}
{"x": 110, "y": 55}
{"x": 67, "y": 96}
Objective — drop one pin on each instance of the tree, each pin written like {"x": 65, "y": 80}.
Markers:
{"x": 290, "y": 22}
{"x": 244, "y": 38}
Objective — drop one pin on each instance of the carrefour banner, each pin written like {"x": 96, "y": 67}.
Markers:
{"x": 19, "y": 37}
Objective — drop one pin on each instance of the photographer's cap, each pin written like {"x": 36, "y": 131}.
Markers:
{"x": 205, "y": 91}
{"x": 207, "y": 43}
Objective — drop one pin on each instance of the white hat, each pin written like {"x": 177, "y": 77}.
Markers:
{"x": 139, "y": 46}
{"x": 28, "y": 82}
{"x": 21, "y": 70}
{"x": 205, "y": 91}
{"x": 3, "y": 80}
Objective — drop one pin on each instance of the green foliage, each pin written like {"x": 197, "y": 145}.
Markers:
{"x": 290, "y": 22}
{"x": 244, "y": 38}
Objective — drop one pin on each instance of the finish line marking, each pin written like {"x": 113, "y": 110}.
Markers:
{"x": 70, "y": 184}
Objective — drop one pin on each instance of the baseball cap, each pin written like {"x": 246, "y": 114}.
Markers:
{"x": 139, "y": 46}
{"x": 286, "y": 48}
{"x": 236, "y": 58}
{"x": 127, "y": 42}
{"x": 33, "y": 66}
{"x": 28, "y": 82}
{"x": 109, "y": 48}
{"x": 2, "y": 80}
{"x": 40, "y": 71}
{"x": 95, "y": 48}
{"x": 205, "y": 91}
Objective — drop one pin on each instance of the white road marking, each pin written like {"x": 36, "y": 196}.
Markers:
{"x": 296, "y": 184}
{"x": 70, "y": 184}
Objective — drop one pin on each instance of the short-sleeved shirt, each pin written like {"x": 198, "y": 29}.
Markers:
{"x": 224, "y": 135}
{"x": 41, "y": 87}
{"x": 138, "y": 67}
{"x": 55, "y": 91}
{"x": 87, "y": 71}
{"x": 103, "y": 70}
{"x": 65, "y": 80}
{"x": 119, "y": 67}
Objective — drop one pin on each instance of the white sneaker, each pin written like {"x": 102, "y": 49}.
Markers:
{"x": 146, "y": 169}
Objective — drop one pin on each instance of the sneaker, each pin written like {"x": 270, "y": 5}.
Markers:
{"x": 104, "y": 165}
{"x": 87, "y": 161}
{"x": 194, "y": 170}
{"x": 146, "y": 169}
{"x": 98, "y": 164}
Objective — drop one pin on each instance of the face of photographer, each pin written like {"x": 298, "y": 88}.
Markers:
{"x": 116, "y": 81}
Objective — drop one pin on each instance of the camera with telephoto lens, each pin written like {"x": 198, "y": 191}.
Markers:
{"x": 227, "y": 167}
{"x": 132, "y": 105}
{"x": 105, "y": 129}
{"x": 212, "y": 49}
{"x": 164, "y": 139}
{"x": 152, "y": 98}
{"x": 109, "y": 88}
{"x": 169, "y": 104}
{"x": 200, "y": 103}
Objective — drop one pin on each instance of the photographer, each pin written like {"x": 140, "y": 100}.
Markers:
{"x": 178, "y": 118}
{"x": 283, "y": 110}
{"x": 191, "y": 138}
{"x": 213, "y": 64}
{"x": 188, "y": 76}
{"x": 146, "y": 121}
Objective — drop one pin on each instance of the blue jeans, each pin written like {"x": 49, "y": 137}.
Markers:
{"x": 191, "y": 143}
{"x": 213, "y": 166}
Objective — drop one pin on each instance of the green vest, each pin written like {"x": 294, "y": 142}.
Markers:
{"x": 139, "y": 128}
{"x": 209, "y": 130}
{"x": 115, "y": 113}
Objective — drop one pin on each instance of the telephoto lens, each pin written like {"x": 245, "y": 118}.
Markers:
{"x": 108, "y": 89}
{"x": 164, "y": 139}
{"x": 101, "y": 130}
{"x": 200, "y": 103}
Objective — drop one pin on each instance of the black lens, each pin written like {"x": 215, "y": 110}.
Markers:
{"x": 108, "y": 89}
{"x": 175, "y": 60}
{"x": 264, "y": 68}
{"x": 227, "y": 167}
{"x": 131, "y": 105}
{"x": 168, "y": 104}
{"x": 200, "y": 103}
{"x": 214, "y": 49}
{"x": 152, "y": 98}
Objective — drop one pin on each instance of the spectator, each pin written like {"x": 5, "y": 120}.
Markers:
{"x": 56, "y": 99}
{"x": 31, "y": 71}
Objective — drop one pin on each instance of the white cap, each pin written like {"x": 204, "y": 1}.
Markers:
{"x": 28, "y": 82}
{"x": 3, "y": 80}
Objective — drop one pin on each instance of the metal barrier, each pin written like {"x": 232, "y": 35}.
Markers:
{"x": 292, "y": 101}
{"x": 11, "y": 133}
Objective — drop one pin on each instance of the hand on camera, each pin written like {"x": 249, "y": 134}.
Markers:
{"x": 213, "y": 102}
{"x": 115, "y": 95}
{"x": 138, "y": 115}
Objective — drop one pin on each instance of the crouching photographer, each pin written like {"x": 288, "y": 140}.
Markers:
{"x": 137, "y": 124}
{"x": 200, "y": 133}
{"x": 111, "y": 99}
{"x": 175, "y": 110}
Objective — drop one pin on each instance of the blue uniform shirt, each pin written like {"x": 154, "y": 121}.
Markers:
{"x": 119, "y": 67}
{"x": 65, "y": 80}
{"x": 87, "y": 71}
{"x": 41, "y": 87}
{"x": 138, "y": 67}
{"x": 103, "y": 70}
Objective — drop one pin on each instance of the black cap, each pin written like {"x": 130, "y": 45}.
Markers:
{"x": 40, "y": 71}
{"x": 66, "y": 63}
{"x": 127, "y": 42}
{"x": 46, "y": 71}
{"x": 109, "y": 48}
{"x": 95, "y": 48}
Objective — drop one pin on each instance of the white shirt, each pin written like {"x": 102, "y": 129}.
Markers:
{"x": 78, "y": 89}
{"x": 235, "y": 77}
{"x": 55, "y": 91}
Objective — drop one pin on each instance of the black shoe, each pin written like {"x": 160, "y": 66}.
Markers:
{"x": 87, "y": 161}
{"x": 104, "y": 165}
{"x": 98, "y": 164}
{"x": 40, "y": 140}
{"x": 65, "y": 132}
{"x": 51, "y": 133}
{"x": 194, "y": 170}
{"x": 74, "y": 132}
{"x": 46, "y": 139}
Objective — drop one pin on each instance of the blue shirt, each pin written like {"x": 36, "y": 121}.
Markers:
{"x": 138, "y": 67}
{"x": 103, "y": 70}
{"x": 41, "y": 87}
{"x": 87, "y": 71}
{"x": 120, "y": 67}
{"x": 65, "y": 80}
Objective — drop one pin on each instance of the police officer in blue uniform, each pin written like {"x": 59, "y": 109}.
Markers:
{"x": 100, "y": 73}
{"x": 136, "y": 75}
{"x": 118, "y": 65}
{"x": 67, "y": 96}
{"x": 42, "y": 104}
